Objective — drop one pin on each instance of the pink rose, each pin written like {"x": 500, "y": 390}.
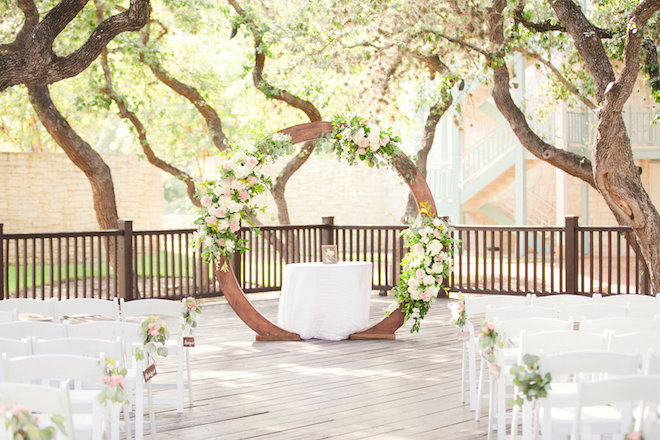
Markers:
{"x": 436, "y": 234}
{"x": 234, "y": 227}
{"x": 17, "y": 409}
{"x": 105, "y": 379}
{"x": 384, "y": 140}
{"x": 420, "y": 273}
{"x": 150, "y": 326}
{"x": 491, "y": 326}
{"x": 634, "y": 436}
{"x": 243, "y": 195}
{"x": 228, "y": 192}
{"x": 221, "y": 242}
{"x": 364, "y": 142}
{"x": 252, "y": 180}
{"x": 205, "y": 201}
{"x": 426, "y": 297}
{"x": 210, "y": 220}
{"x": 361, "y": 151}
{"x": 220, "y": 212}
{"x": 460, "y": 306}
{"x": 227, "y": 166}
{"x": 252, "y": 161}
{"x": 153, "y": 332}
{"x": 418, "y": 249}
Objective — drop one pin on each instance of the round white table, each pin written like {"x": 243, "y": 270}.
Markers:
{"x": 325, "y": 301}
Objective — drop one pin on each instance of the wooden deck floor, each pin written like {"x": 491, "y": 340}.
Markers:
{"x": 243, "y": 389}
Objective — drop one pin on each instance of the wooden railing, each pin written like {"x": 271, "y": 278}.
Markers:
{"x": 163, "y": 264}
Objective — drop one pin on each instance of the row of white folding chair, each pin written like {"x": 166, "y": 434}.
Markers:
{"x": 37, "y": 337}
{"x": 56, "y": 310}
{"x": 85, "y": 372}
{"x": 130, "y": 309}
{"x": 42, "y": 400}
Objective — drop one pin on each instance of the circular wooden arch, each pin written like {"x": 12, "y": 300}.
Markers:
{"x": 266, "y": 330}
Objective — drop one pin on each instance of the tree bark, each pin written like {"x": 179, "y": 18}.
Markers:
{"x": 80, "y": 153}
{"x": 613, "y": 172}
{"x": 30, "y": 58}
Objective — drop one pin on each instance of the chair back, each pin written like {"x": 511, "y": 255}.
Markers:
{"x": 30, "y": 306}
{"x": 593, "y": 362}
{"x": 86, "y": 306}
{"x": 15, "y": 347}
{"x": 130, "y": 334}
{"x": 53, "y": 367}
{"x": 644, "y": 310}
{"x": 7, "y": 315}
{"x": 561, "y": 300}
{"x": 631, "y": 298}
{"x": 40, "y": 399}
{"x": 25, "y": 329}
{"x": 635, "y": 342}
{"x": 519, "y": 311}
{"x": 595, "y": 310}
{"x": 149, "y": 307}
{"x": 511, "y": 328}
{"x": 553, "y": 342}
{"x": 619, "y": 324}
{"x": 478, "y": 305}
{"x": 87, "y": 347}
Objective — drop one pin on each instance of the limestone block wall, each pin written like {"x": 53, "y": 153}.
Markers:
{"x": 46, "y": 192}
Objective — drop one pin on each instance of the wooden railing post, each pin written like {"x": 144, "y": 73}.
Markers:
{"x": 327, "y": 237}
{"x": 2, "y": 264}
{"x": 125, "y": 260}
{"x": 571, "y": 253}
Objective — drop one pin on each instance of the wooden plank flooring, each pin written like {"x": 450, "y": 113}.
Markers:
{"x": 243, "y": 389}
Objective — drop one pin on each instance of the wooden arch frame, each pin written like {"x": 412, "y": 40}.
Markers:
{"x": 266, "y": 330}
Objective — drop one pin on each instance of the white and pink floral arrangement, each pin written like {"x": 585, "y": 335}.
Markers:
{"x": 227, "y": 199}
{"x": 356, "y": 139}
{"x": 113, "y": 389}
{"x": 427, "y": 264}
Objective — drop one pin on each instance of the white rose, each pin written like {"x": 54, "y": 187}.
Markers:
{"x": 240, "y": 156}
{"x": 413, "y": 282}
{"x": 436, "y": 268}
{"x": 429, "y": 280}
{"x": 358, "y": 135}
{"x": 432, "y": 290}
{"x": 208, "y": 241}
{"x": 437, "y": 222}
{"x": 235, "y": 218}
{"x": 241, "y": 171}
{"x": 415, "y": 293}
{"x": 423, "y": 232}
{"x": 435, "y": 247}
{"x": 229, "y": 244}
{"x": 223, "y": 224}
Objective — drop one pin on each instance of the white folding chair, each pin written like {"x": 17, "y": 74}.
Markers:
{"x": 85, "y": 307}
{"x": 29, "y": 306}
{"x": 567, "y": 369}
{"x": 25, "y": 329}
{"x": 553, "y": 342}
{"x": 15, "y": 347}
{"x": 619, "y": 324}
{"x": 476, "y": 306}
{"x": 580, "y": 312}
{"x": 131, "y": 337}
{"x": 174, "y": 311}
{"x": 85, "y": 372}
{"x": 599, "y": 396}
{"x": 41, "y": 399}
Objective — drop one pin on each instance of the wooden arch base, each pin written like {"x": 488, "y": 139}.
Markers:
{"x": 267, "y": 330}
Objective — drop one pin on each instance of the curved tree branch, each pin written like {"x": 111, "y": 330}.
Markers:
{"x": 282, "y": 95}
{"x": 561, "y": 78}
{"x": 80, "y": 153}
{"x": 31, "y": 14}
{"x": 571, "y": 163}
{"x": 142, "y": 134}
{"x": 548, "y": 26}
{"x": 35, "y": 63}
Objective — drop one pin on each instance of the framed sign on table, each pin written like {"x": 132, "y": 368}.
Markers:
{"x": 329, "y": 252}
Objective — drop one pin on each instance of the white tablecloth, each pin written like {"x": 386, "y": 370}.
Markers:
{"x": 325, "y": 301}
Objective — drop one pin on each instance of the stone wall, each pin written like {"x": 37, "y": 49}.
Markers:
{"x": 46, "y": 192}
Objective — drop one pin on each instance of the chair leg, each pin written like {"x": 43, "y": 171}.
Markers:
{"x": 477, "y": 414}
{"x": 190, "y": 395}
{"x": 472, "y": 373}
{"x": 152, "y": 416}
{"x": 179, "y": 379}
{"x": 463, "y": 384}
{"x": 500, "y": 394}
